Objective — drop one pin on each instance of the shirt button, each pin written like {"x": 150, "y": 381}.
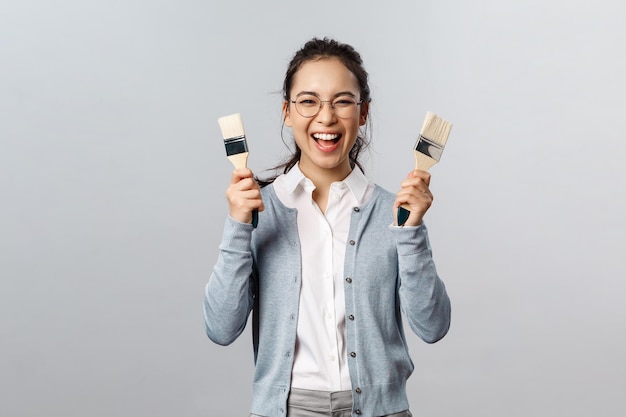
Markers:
{"x": 358, "y": 390}
{"x": 351, "y": 317}
{"x": 349, "y": 280}
{"x": 353, "y": 354}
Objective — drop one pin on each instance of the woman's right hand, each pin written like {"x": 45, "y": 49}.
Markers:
{"x": 243, "y": 195}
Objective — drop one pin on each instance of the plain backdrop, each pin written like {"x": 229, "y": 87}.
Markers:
{"x": 113, "y": 173}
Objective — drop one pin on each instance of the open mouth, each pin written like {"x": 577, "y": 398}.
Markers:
{"x": 326, "y": 140}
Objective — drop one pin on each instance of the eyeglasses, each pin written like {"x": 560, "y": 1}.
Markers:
{"x": 308, "y": 105}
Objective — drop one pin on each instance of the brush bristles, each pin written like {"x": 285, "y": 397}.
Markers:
{"x": 436, "y": 129}
{"x": 231, "y": 126}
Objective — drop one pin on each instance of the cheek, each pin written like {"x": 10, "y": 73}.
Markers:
{"x": 354, "y": 126}
{"x": 299, "y": 126}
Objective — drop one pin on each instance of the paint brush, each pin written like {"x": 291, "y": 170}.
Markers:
{"x": 428, "y": 150}
{"x": 236, "y": 146}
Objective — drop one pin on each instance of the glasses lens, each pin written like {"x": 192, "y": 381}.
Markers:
{"x": 344, "y": 107}
{"x": 308, "y": 106}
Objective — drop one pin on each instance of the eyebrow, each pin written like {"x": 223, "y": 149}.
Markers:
{"x": 313, "y": 93}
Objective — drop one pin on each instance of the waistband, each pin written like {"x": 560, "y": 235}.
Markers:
{"x": 320, "y": 400}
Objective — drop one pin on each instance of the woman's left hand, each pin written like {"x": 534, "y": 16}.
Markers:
{"x": 416, "y": 194}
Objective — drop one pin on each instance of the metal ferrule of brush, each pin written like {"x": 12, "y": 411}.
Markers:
{"x": 236, "y": 145}
{"x": 429, "y": 148}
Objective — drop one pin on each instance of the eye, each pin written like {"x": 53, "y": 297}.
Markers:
{"x": 308, "y": 101}
{"x": 343, "y": 102}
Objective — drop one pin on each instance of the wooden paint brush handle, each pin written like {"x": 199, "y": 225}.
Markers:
{"x": 240, "y": 160}
{"x": 424, "y": 163}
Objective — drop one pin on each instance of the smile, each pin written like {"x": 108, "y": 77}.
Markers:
{"x": 326, "y": 142}
{"x": 326, "y": 136}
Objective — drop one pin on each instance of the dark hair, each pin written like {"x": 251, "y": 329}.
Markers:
{"x": 325, "y": 48}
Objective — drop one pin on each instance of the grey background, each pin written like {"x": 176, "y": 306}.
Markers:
{"x": 112, "y": 180}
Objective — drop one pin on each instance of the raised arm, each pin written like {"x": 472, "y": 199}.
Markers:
{"x": 423, "y": 296}
{"x": 229, "y": 294}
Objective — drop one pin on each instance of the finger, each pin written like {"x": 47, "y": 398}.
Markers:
{"x": 251, "y": 195}
{"x": 415, "y": 184}
{"x": 417, "y": 204}
{"x": 236, "y": 194}
{"x": 239, "y": 174}
{"x": 414, "y": 197}
{"x": 241, "y": 209}
{"x": 423, "y": 175}
{"x": 245, "y": 184}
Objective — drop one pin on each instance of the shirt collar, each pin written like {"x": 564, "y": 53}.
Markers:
{"x": 356, "y": 181}
{"x": 293, "y": 178}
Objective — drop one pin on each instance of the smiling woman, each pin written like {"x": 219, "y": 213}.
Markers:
{"x": 326, "y": 273}
{"x": 324, "y": 137}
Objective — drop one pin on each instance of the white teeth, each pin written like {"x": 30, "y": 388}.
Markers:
{"x": 325, "y": 136}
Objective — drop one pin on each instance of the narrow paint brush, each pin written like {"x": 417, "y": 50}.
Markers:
{"x": 236, "y": 146}
{"x": 428, "y": 150}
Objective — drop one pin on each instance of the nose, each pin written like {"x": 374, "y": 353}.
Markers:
{"x": 326, "y": 113}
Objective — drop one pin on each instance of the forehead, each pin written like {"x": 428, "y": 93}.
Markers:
{"x": 324, "y": 76}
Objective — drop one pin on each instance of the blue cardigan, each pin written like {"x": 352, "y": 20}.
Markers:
{"x": 388, "y": 270}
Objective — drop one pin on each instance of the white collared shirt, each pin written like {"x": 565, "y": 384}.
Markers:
{"x": 320, "y": 361}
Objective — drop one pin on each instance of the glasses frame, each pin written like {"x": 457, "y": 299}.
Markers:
{"x": 319, "y": 109}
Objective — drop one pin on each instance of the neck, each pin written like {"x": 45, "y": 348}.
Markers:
{"x": 322, "y": 179}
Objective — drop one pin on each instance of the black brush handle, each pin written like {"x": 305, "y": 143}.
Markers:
{"x": 403, "y": 215}
{"x": 255, "y": 218}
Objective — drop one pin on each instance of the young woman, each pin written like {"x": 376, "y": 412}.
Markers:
{"x": 327, "y": 272}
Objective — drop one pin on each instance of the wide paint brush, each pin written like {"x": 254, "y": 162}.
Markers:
{"x": 236, "y": 146}
{"x": 428, "y": 150}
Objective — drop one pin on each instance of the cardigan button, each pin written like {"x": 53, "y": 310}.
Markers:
{"x": 357, "y": 411}
{"x": 358, "y": 390}
{"x": 353, "y": 354}
{"x": 351, "y": 317}
{"x": 349, "y": 280}
{"x": 352, "y": 243}
{"x": 356, "y": 209}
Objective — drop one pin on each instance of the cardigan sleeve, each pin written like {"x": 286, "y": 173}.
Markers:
{"x": 229, "y": 294}
{"x": 423, "y": 296}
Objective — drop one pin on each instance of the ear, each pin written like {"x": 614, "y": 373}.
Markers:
{"x": 365, "y": 107}
{"x": 286, "y": 114}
